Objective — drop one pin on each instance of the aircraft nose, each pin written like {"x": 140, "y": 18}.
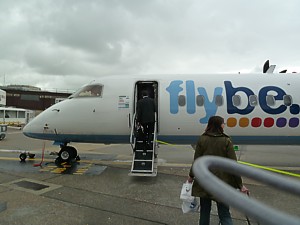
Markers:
{"x": 27, "y": 130}
{"x": 32, "y": 129}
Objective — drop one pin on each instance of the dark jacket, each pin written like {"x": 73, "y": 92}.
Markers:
{"x": 215, "y": 144}
{"x": 146, "y": 110}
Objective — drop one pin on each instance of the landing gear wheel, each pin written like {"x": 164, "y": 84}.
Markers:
{"x": 67, "y": 153}
{"x": 23, "y": 157}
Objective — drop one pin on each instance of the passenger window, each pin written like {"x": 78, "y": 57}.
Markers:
{"x": 181, "y": 100}
{"x": 21, "y": 114}
{"x": 270, "y": 100}
{"x": 253, "y": 100}
{"x": 287, "y": 99}
{"x": 93, "y": 90}
{"x": 236, "y": 99}
{"x": 200, "y": 100}
{"x": 219, "y": 100}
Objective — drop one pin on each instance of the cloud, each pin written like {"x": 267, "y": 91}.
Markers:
{"x": 64, "y": 44}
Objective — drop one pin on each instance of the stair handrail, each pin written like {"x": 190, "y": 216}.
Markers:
{"x": 154, "y": 135}
{"x": 131, "y": 141}
{"x": 225, "y": 193}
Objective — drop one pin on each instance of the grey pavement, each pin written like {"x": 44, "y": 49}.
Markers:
{"x": 104, "y": 193}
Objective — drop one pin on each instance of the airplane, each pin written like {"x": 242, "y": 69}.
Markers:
{"x": 258, "y": 108}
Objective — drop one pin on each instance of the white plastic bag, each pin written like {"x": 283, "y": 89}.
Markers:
{"x": 189, "y": 202}
{"x": 188, "y": 207}
{"x": 186, "y": 192}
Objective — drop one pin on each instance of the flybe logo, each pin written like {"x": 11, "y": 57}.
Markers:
{"x": 272, "y": 100}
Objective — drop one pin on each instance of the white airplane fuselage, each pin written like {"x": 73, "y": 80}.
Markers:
{"x": 257, "y": 108}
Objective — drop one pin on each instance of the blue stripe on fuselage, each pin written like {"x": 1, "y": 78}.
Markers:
{"x": 189, "y": 139}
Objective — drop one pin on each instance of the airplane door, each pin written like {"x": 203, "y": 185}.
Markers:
{"x": 152, "y": 88}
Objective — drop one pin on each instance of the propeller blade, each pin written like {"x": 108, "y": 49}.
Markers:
{"x": 266, "y": 66}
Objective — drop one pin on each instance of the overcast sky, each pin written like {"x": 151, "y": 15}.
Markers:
{"x": 66, "y": 43}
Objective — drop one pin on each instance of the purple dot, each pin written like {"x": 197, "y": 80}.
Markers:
{"x": 294, "y": 122}
{"x": 281, "y": 122}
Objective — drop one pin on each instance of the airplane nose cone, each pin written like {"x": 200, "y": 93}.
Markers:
{"x": 33, "y": 129}
{"x": 27, "y": 130}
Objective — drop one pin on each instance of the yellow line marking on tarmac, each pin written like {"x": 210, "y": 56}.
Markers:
{"x": 58, "y": 170}
{"x": 165, "y": 143}
{"x": 9, "y": 158}
{"x": 81, "y": 171}
{"x": 17, "y": 159}
{"x": 67, "y": 166}
{"x": 270, "y": 169}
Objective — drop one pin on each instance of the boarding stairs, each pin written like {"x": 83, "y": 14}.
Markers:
{"x": 144, "y": 161}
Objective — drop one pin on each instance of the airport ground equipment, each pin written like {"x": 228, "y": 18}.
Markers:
{"x": 43, "y": 153}
{"x": 144, "y": 161}
{"x": 249, "y": 206}
{"x": 23, "y": 156}
{"x": 3, "y": 130}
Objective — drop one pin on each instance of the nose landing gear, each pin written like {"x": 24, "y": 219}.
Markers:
{"x": 67, "y": 154}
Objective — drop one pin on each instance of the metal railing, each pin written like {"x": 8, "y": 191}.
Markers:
{"x": 227, "y": 194}
{"x": 133, "y": 125}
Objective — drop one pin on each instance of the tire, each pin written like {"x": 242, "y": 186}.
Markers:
{"x": 67, "y": 153}
{"x": 23, "y": 157}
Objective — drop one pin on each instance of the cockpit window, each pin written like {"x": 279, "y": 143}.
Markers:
{"x": 92, "y": 90}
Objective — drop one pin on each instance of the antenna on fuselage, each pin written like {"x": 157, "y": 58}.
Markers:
{"x": 283, "y": 71}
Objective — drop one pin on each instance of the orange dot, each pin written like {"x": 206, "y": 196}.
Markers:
{"x": 231, "y": 122}
{"x": 244, "y": 122}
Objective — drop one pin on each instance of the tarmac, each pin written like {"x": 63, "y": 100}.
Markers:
{"x": 98, "y": 190}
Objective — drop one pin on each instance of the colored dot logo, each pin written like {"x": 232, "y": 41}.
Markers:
{"x": 268, "y": 122}
{"x": 256, "y": 122}
{"x": 244, "y": 122}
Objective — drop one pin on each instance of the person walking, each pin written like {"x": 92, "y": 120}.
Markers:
{"x": 146, "y": 110}
{"x": 215, "y": 142}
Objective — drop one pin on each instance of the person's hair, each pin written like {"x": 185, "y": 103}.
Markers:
{"x": 215, "y": 124}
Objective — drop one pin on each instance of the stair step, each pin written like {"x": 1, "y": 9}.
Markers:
{"x": 145, "y": 173}
{"x": 142, "y": 165}
{"x": 141, "y": 146}
{"x": 141, "y": 155}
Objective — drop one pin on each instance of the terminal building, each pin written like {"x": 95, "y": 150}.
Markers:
{"x": 32, "y": 98}
{"x": 21, "y": 103}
